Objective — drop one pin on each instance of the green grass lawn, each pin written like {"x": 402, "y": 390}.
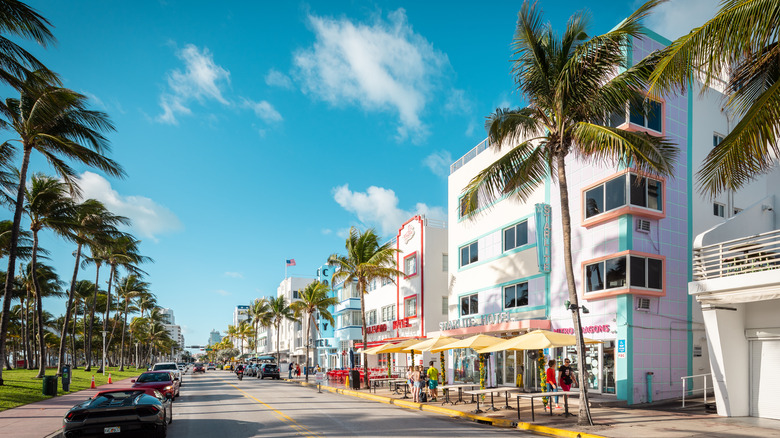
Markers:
{"x": 21, "y": 387}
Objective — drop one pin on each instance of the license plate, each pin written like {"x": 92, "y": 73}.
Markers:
{"x": 114, "y": 429}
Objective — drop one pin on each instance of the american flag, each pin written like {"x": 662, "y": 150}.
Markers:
{"x": 291, "y": 262}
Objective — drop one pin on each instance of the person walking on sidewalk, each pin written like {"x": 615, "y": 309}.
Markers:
{"x": 416, "y": 384}
{"x": 290, "y": 370}
{"x": 433, "y": 381}
{"x": 566, "y": 376}
{"x": 550, "y": 380}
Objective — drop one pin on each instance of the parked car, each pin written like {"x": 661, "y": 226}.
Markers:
{"x": 163, "y": 381}
{"x": 120, "y": 411}
{"x": 268, "y": 370}
{"x": 251, "y": 370}
{"x": 169, "y": 366}
{"x": 198, "y": 368}
{"x": 211, "y": 366}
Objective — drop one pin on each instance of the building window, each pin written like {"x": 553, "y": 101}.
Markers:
{"x": 351, "y": 318}
{"x": 445, "y": 306}
{"x": 445, "y": 262}
{"x": 469, "y": 304}
{"x": 516, "y": 236}
{"x": 469, "y": 254}
{"x": 644, "y": 272}
{"x": 295, "y": 294}
{"x": 718, "y": 209}
{"x": 371, "y": 317}
{"x": 716, "y": 139}
{"x": 516, "y": 295}
{"x": 410, "y": 264}
{"x": 388, "y": 313}
{"x": 650, "y": 119}
{"x": 410, "y": 307}
{"x": 623, "y": 190}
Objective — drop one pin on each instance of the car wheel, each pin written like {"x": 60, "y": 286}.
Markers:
{"x": 170, "y": 414}
{"x": 162, "y": 431}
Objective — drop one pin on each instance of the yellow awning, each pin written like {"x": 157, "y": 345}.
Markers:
{"x": 429, "y": 344}
{"x": 476, "y": 342}
{"x": 536, "y": 340}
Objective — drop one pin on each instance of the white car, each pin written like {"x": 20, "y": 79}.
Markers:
{"x": 169, "y": 366}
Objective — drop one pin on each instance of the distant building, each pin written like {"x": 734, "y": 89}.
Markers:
{"x": 240, "y": 314}
{"x": 174, "y": 331}
{"x": 214, "y": 337}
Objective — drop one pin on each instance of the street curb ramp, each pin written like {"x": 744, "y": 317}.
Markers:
{"x": 497, "y": 422}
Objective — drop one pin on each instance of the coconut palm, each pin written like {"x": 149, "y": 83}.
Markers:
{"x": 571, "y": 85}
{"x": 93, "y": 224}
{"x": 258, "y": 316}
{"x": 82, "y": 298}
{"x": 313, "y": 299}
{"x": 366, "y": 260}
{"x": 740, "y": 42}
{"x": 232, "y": 333}
{"x": 130, "y": 288}
{"x": 243, "y": 331}
{"x": 19, "y": 20}
{"x": 43, "y": 283}
{"x": 279, "y": 311}
{"x": 56, "y": 123}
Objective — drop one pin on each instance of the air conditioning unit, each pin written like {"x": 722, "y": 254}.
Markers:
{"x": 643, "y": 304}
{"x": 643, "y": 225}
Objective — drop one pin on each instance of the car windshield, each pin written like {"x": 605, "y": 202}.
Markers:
{"x": 165, "y": 366}
{"x": 154, "y": 377}
{"x": 117, "y": 395}
{"x": 198, "y": 364}
{"x": 270, "y": 367}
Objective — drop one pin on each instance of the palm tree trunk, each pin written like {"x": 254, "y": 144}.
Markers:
{"x": 306, "y": 339}
{"x": 278, "y": 353}
{"x": 108, "y": 302}
{"x": 584, "y": 413}
{"x": 38, "y": 308}
{"x": 73, "y": 335}
{"x": 365, "y": 332}
{"x": 68, "y": 311}
{"x": 9, "y": 278}
{"x": 122, "y": 348}
{"x": 88, "y": 341}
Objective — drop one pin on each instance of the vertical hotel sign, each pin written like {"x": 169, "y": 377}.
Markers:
{"x": 543, "y": 236}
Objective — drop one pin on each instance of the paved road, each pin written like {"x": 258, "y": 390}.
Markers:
{"x": 216, "y": 404}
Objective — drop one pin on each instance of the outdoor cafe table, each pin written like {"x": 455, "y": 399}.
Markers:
{"x": 381, "y": 382}
{"x": 397, "y": 383}
{"x": 533, "y": 395}
{"x": 492, "y": 391}
{"x": 460, "y": 386}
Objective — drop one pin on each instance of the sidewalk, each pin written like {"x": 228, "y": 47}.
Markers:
{"x": 44, "y": 418}
{"x": 613, "y": 421}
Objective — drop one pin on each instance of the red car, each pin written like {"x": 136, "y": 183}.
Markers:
{"x": 163, "y": 381}
{"x": 199, "y": 368}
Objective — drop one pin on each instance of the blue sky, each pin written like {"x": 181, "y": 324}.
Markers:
{"x": 254, "y": 132}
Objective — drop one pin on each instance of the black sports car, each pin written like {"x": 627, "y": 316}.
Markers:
{"x": 120, "y": 412}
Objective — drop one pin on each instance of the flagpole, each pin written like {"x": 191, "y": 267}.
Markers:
{"x": 285, "y": 269}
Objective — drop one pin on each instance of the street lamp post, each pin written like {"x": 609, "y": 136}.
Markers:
{"x": 136, "y": 355}
{"x": 104, "y": 351}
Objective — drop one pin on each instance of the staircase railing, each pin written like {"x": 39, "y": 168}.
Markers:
{"x": 704, "y": 386}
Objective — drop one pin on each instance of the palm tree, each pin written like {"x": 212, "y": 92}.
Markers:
{"x": 278, "y": 311}
{"x": 258, "y": 316}
{"x": 93, "y": 224}
{"x": 83, "y": 298}
{"x": 741, "y": 41}
{"x": 313, "y": 299}
{"x": 57, "y": 123}
{"x": 366, "y": 260}
{"x": 243, "y": 331}
{"x": 570, "y": 85}
{"x": 130, "y": 288}
{"x": 19, "y": 20}
{"x": 48, "y": 206}
{"x": 43, "y": 282}
{"x": 232, "y": 333}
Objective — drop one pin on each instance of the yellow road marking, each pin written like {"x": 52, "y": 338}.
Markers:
{"x": 301, "y": 429}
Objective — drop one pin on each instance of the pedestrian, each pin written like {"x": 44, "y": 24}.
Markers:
{"x": 566, "y": 376}
{"x": 409, "y": 380}
{"x": 433, "y": 381}
{"x": 318, "y": 368}
{"x": 290, "y": 371}
{"x": 552, "y": 387}
{"x": 297, "y": 370}
{"x": 416, "y": 384}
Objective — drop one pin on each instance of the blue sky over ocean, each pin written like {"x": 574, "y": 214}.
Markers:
{"x": 255, "y": 132}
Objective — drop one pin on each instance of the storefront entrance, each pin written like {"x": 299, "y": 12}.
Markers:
{"x": 600, "y": 363}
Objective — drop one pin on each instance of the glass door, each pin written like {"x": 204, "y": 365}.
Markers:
{"x": 500, "y": 368}
{"x": 608, "y": 367}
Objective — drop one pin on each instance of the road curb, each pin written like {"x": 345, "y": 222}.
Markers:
{"x": 497, "y": 422}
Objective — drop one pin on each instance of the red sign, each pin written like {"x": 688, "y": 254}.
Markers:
{"x": 401, "y": 323}
{"x": 604, "y": 328}
{"x": 376, "y": 328}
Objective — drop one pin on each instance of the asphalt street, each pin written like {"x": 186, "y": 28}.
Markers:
{"x": 217, "y": 404}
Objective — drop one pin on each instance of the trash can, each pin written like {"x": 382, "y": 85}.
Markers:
{"x": 354, "y": 379}
{"x": 66, "y": 378}
{"x": 50, "y": 385}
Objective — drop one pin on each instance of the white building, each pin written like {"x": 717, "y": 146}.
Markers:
{"x": 174, "y": 331}
{"x": 292, "y": 341}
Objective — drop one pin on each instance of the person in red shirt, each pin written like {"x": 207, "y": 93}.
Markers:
{"x": 550, "y": 380}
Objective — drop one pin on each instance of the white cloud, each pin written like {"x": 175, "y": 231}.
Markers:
{"x": 202, "y": 79}
{"x": 378, "y": 207}
{"x": 224, "y": 293}
{"x": 383, "y": 66}
{"x": 327, "y": 231}
{"x": 457, "y": 102}
{"x": 439, "y": 162}
{"x": 275, "y": 78}
{"x": 149, "y": 219}
{"x": 677, "y": 17}
{"x": 263, "y": 109}
{"x": 234, "y": 275}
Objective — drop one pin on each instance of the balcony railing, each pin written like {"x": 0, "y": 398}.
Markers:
{"x": 760, "y": 252}
{"x": 478, "y": 149}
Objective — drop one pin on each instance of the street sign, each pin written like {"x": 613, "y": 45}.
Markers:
{"x": 621, "y": 353}
{"x": 209, "y": 349}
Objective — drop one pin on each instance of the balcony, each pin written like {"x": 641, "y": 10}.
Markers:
{"x": 478, "y": 149}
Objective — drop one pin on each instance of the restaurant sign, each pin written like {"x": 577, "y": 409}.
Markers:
{"x": 603, "y": 328}
{"x": 493, "y": 318}
{"x": 376, "y": 328}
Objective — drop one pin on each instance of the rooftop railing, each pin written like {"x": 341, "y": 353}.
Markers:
{"x": 760, "y": 252}
{"x": 478, "y": 149}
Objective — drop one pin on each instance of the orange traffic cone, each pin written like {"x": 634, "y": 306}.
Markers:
{"x": 109, "y": 378}
{"x": 93, "y": 382}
